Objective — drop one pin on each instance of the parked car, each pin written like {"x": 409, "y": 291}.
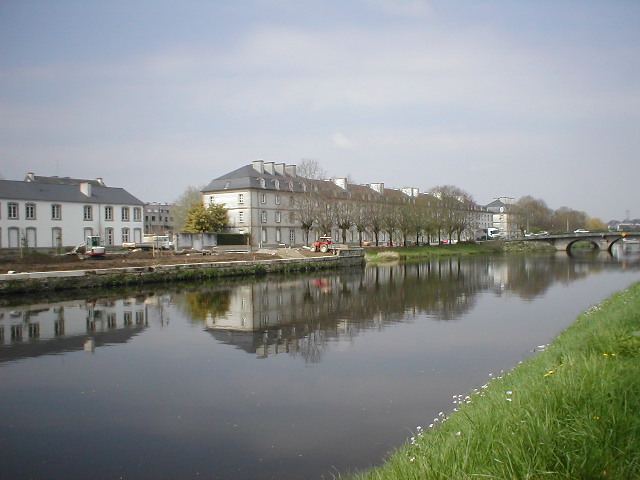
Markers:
{"x": 581, "y": 230}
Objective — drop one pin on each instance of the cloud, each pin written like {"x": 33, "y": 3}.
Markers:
{"x": 341, "y": 141}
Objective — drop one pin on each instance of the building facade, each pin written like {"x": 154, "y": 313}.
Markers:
{"x": 274, "y": 206}
{"x": 503, "y": 217}
{"x": 158, "y": 219}
{"x": 60, "y": 212}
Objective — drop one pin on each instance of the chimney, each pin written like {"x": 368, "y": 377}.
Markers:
{"x": 279, "y": 168}
{"x": 378, "y": 187}
{"x": 258, "y": 166}
{"x": 85, "y": 188}
{"x": 290, "y": 170}
{"x": 268, "y": 167}
{"x": 341, "y": 182}
{"x": 410, "y": 191}
{"x": 30, "y": 177}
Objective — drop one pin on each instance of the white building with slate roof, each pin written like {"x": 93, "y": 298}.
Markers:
{"x": 259, "y": 199}
{"x": 266, "y": 200}
{"x": 58, "y": 212}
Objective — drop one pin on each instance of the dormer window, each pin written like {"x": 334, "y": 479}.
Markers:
{"x": 291, "y": 186}
{"x": 276, "y": 183}
{"x": 262, "y": 183}
{"x": 227, "y": 185}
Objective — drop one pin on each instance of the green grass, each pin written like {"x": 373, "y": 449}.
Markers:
{"x": 413, "y": 253}
{"x": 571, "y": 412}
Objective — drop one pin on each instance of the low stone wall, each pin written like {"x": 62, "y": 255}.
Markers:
{"x": 110, "y": 277}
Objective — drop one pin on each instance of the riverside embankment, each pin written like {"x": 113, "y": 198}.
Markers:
{"x": 570, "y": 412}
{"x": 25, "y": 282}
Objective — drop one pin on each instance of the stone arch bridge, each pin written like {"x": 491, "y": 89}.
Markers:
{"x": 563, "y": 242}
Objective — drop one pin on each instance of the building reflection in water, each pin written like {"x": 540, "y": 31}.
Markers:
{"x": 302, "y": 317}
{"x": 31, "y": 330}
{"x": 299, "y": 316}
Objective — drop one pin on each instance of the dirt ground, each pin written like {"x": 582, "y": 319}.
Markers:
{"x": 38, "y": 262}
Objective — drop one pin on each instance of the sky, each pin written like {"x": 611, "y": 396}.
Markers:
{"x": 497, "y": 97}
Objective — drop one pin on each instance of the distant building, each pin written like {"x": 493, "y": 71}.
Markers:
{"x": 625, "y": 225}
{"x": 158, "y": 218}
{"x": 59, "y": 212}
{"x": 503, "y": 217}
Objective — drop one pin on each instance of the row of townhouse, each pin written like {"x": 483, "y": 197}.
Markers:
{"x": 266, "y": 201}
{"x": 60, "y": 212}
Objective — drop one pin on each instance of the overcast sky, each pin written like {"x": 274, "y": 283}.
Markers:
{"x": 500, "y": 98}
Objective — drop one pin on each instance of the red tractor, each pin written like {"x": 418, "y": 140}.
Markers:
{"x": 324, "y": 244}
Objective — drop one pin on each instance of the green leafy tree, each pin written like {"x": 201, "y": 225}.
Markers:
{"x": 192, "y": 196}
{"x": 201, "y": 219}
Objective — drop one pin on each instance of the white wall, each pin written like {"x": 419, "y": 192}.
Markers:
{"x": 40, "y": 230}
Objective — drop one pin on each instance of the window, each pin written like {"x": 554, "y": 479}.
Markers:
{"x": 137, "y": 214}
{"x": 30, "y": 211}
{"x": 56, "y": 238}
{"x": 277, "y": 184}
{"x": 291, "y": 200}
{"x": 108, "y": 213}
{"x": 14, "y": 237}
{"x": 278, "y": 235}
{"x": 240, "y": 217}
{"x": 264, "y": 217}
{"x": 87, "y": 212}
{"x": 264, "y": 236}
{"x": 56, "y": 211}
{"x": 262, "y": 183}
{"x": 108, "y": 236}
{"x": 292, "y": 236}
{"x": 241, "y": 198}
{"x": 125, "y": 235}
{"x": 125, "y": 214}
{"x": 263, "y": 198}
{"x": 277, "y": 217}
{"x": 277, "y": 199}
{"x": 12, "y": 211}
{"x": 30, "y": 235}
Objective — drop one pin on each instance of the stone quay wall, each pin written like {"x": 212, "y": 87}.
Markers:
{"x": 112, "y": 277}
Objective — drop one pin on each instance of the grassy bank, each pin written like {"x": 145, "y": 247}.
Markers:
{"x": 427, "y": 251}
{"x": 571, "y": 412}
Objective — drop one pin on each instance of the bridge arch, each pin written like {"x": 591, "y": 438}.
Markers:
{"x": 604, "y": 241}
{"x": 571, "y": 243}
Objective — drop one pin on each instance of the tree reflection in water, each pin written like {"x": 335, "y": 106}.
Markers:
{"x": 303, "y": 316}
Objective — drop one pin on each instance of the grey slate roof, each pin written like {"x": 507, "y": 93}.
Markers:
{"x": 63, "y": 180}
{"x": 38, "y": 191}
{"x": 495, "y": 206}
{"x": 248, "y": 177}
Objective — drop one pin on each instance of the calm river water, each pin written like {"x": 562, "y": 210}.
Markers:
{"x": 283, "y": 377}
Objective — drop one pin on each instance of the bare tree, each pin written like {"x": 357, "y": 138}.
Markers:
{"x": 453, "y": 211}
{"x": 311, "y": 169}
{"x": 344, "y": 216}
{"x": 532, "y": 214}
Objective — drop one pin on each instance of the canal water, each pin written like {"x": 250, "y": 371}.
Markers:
{"x": 283, "y": 377}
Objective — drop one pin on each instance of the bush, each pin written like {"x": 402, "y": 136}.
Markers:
{"x": 232, "y": 238}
